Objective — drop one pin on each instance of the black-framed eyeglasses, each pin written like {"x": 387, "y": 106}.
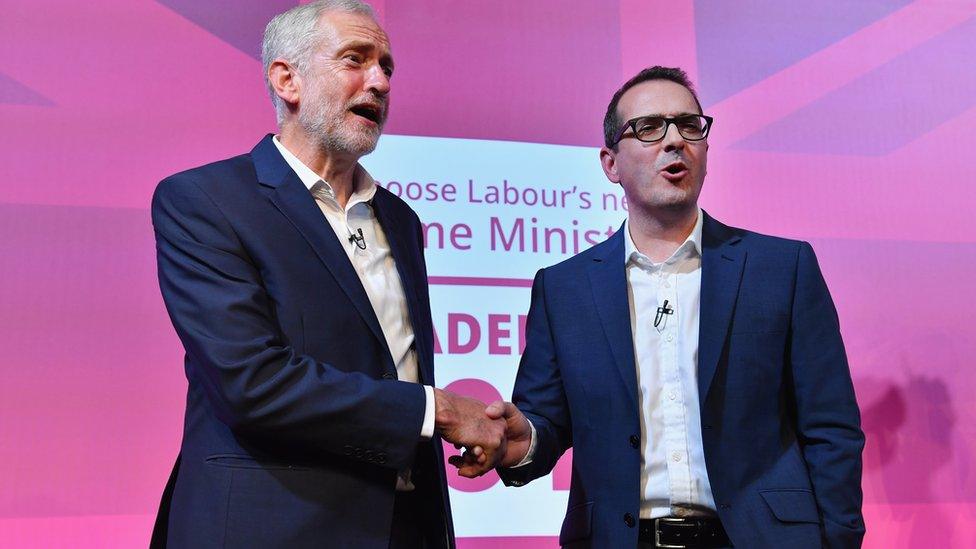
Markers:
{"x": 648, "y": 129}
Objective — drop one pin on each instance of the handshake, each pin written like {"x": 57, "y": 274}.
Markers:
{"x": 497, "y": 435}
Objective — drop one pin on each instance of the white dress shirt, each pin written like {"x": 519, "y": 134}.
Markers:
{"x": 374, "y": 265}
{"x": 674, "y": 481}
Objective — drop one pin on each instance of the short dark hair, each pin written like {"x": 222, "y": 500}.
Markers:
{"x": 611, "y": 122}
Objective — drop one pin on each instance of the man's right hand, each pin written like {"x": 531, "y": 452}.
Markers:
{"x": 463, "y": 422}
{"x": 518, "y": 432}
{"x": 518, "y": 441}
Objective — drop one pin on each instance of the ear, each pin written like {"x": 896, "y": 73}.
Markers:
{"x": 608, "y": 160}
{"x": 285, "y": 81}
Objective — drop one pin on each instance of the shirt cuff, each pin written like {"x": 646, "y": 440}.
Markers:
{"x": 427, "y": 429}
{"x": 531, "y": 453}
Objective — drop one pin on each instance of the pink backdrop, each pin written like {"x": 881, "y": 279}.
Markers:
{"x": 846, "y": 123}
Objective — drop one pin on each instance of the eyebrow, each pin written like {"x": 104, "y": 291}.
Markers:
{"x": 676, "y": 115}
{"x": 363, "y": 46}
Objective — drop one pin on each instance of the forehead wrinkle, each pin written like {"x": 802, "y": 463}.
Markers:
{"x": 341, "y": 31}
{"x": 369, "y": 32}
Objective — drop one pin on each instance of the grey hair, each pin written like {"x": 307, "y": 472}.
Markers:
{"x": 293, "y": 36}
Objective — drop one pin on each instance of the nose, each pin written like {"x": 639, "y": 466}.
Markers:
{"x": 672, "y": 139}
{"x": 377, "y": 81}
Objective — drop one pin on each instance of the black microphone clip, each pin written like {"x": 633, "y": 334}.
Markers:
{"x": 661, "y": 312}
{"x": 360, "y": 240}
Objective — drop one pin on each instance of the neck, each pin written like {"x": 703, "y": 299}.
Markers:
{"x": 657, "y": 235}
{"x": 338, "y": 170}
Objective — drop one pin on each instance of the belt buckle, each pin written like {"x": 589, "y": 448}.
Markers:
{"x": 657, "y": 532}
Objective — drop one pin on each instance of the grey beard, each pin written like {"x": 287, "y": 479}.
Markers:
{"x": 334, "y": 139}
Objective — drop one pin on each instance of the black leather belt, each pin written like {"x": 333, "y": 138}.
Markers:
{"x": 684, "y": 533}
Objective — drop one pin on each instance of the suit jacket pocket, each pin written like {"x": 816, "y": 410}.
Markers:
{"x": 577, "y": 524}
{"x": 237, "y": 461}
{"x": 792, "y": 505}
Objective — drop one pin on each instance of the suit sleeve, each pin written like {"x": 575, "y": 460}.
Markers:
{"x": 256, "y": 383}
{"x": 539, "y": 393}
{"x": 828, "y": 419}
{"x": 430, "y": 412}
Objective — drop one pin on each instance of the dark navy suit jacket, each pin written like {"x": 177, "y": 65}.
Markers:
{"x": 295, "y": 423}
{"x": 780, "y": 425}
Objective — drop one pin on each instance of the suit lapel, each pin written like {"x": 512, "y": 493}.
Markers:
{"x": 405, "y": 259}
{"x": 722, "y": 264}
{"x": 295, "y": 202}
{"x": 608, "y": 281}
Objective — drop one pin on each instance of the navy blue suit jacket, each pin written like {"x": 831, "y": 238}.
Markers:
{"x": 295, "y": 423}
{"x": 780, "y": 425}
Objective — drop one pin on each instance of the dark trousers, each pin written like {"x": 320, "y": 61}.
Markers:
{"x": 408, "y": 521}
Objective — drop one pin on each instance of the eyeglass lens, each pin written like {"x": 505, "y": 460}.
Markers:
{"x": 652, "y": 128}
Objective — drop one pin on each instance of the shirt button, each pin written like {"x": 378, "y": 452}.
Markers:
{"x": 634, "y": 441}
{"x": 629, "y": 520}
{"x": 670, "y": 337}
{"x": 676, "y": 456}
{"x": 673, "y": 395}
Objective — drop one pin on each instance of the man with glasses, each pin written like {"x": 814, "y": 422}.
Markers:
{"x": 696, "y": 369}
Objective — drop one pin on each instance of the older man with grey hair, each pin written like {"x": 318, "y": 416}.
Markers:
{"x": 299, "y": 291}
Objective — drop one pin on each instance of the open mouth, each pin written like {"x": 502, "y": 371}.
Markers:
{"x": 675, "y": 168}
{"x": 675, "y": 171}
{"x": 370, "y": 112}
